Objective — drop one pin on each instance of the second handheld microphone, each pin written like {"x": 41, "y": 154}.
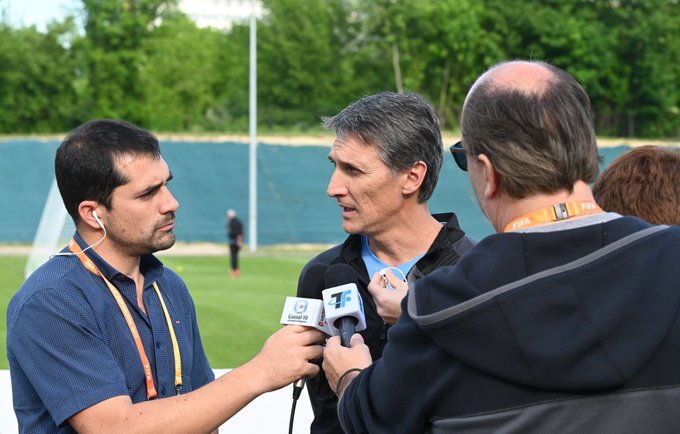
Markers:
{"x": 342, "y": 302}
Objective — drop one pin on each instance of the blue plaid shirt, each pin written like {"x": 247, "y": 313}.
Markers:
{"x": 69, "y": 347}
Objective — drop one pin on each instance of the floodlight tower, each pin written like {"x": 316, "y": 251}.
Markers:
{"x": 252, "y": 239}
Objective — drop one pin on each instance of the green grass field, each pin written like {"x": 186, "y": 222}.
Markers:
{"x": 235, "y": 315}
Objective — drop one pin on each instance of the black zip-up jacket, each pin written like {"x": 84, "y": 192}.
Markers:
{"x": 446, "y": 249}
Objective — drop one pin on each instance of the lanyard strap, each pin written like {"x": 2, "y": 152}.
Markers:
{"x": 173, "y": 338}
{"x": 148, "y": 376}
{"x": 561, "y": 211}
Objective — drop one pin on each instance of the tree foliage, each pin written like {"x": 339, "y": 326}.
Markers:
{"x": 113, "y": 52}
{"x": 300, "y": 64}
{"x": 144, "y": 61}
{"x": 180, "y": 75}
{"x": 37, "y": 93}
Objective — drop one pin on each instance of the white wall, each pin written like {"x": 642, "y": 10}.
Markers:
{"x": 270, "y": 413}
{"x": 8, "y": 422}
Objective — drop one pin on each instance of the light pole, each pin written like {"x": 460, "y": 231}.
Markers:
{"x": 252, "y": 242}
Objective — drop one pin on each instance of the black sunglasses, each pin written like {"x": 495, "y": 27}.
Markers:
{"x": 459, "y": 155}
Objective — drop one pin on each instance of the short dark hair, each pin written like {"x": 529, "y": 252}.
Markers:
{"x": 403, "y": 128}
{"x": 643, "y": 182}
{"x": 85, "y": 164}
{"x": 539, "y": 142}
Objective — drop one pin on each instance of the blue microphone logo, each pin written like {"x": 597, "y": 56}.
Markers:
{"x": 339, "y": 299}
{"x": 301, "y": 306}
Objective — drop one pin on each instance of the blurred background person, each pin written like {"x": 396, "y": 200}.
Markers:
{"x": 235, "y": 237}
{"x": 643, "y": 182}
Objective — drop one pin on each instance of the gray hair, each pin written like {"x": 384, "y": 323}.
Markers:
{"x": 539, "y": 140}
{"x": 403, "y": 128}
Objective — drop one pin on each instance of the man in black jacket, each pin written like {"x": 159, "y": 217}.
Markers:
{"x": 387, "y": 155}
{"x": 235, "y": 236}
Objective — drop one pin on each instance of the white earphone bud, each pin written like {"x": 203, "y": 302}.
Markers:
{"x": 101, "y": 225}
{"x": 99, "y": 222}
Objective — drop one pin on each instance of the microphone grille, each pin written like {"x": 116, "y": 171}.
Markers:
{"x": 312, "y": 281}
{"x": 340, "y": 274}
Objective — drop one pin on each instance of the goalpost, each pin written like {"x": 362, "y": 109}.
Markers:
{"x": 54, "y": 231}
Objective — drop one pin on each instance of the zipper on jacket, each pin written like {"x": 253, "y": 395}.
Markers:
{"x": 383, "y": 332}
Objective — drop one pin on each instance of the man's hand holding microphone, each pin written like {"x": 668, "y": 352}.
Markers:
{"x": 345, "y": 354}
{"x": 339, "y": 315}
{"x": 286, "y": 355}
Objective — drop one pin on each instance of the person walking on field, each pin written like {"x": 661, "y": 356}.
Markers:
{"x": 235, "y": 235}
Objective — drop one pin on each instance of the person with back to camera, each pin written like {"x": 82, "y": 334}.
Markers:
{"x": 235, "y": 236}
{"x": 644, "y": 182}
{"x": 387, "y": 155}
{"x": 104, "y": 338}
{"x": 565, "y": 321}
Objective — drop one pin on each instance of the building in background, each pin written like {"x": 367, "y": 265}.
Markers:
{"x": 219, "y": 14}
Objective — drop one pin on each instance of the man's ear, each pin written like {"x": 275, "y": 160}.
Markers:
{"x": 85, "y": 210}
{"x": 415, "y": 175}
{"x": 492, "y": 179}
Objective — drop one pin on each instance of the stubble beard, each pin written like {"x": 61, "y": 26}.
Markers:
{"x": 163, "y": 243}
{"x": 154, "y": 243}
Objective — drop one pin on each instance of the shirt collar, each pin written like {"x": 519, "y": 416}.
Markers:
{"x": 150, "y": 266}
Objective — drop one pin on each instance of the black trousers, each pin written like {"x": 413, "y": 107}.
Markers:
{"x": 233, "y": 249}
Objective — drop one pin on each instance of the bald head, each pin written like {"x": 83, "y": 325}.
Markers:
{"x": 519, "y": 75}
{"x": 533, "y": 121}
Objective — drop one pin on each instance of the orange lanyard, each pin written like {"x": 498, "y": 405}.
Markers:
{"x": 150, "y": 387}
{"x": 561, "y": 211}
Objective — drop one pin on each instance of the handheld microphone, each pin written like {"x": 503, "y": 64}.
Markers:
{"x": 343, "y": 305}
{"x": 307, "y": 310}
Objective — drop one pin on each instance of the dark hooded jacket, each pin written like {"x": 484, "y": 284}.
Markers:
{"x": 574, "y": 331}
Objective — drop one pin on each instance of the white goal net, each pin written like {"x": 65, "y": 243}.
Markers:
{"x": 54, "y": 231}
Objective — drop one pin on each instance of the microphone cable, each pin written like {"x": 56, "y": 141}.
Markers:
{"x": 297, "y": 391}
{"x": 311, "y": 285}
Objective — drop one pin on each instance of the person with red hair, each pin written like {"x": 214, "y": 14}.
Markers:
{"x": 643, "y": 182}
